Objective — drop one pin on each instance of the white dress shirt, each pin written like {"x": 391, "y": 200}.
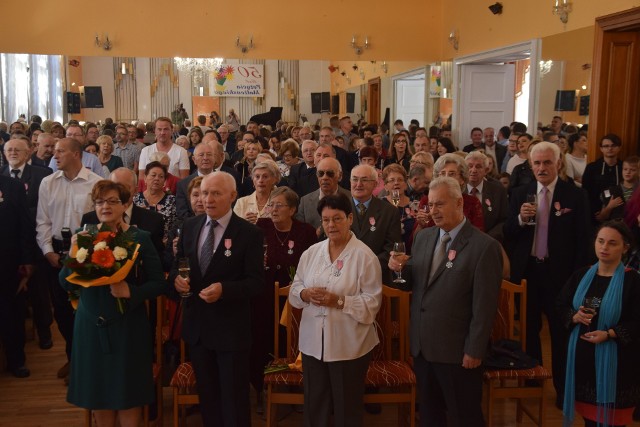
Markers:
{"x": 347, "y": 333}
{"x": 61, "y": 203}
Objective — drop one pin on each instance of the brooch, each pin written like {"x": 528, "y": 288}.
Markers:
{"x": 227, "y": 245}
{"x": 451, "y": 256}
{"x": 488, "y": 203}
{"x": 290, "y": 251}
{"x": 339, "y": 265}
{"x": 372, "y": 221}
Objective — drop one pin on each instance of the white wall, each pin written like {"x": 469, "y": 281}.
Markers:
{"x": 98, "y": 71}
{"x": 143, "y": 91}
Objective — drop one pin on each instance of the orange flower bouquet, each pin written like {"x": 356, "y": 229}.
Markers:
{"x": 101, "y": 258}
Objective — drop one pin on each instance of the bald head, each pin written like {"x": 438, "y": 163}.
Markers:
{"x": 126, "y": 177}
{"x": 204, "y": 157}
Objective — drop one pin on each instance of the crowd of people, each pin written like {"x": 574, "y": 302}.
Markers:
{"x": 337, "y": 211}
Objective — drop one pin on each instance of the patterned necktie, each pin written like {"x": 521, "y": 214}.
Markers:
{"x": 475, "y": 193}
{"x": 361, "y": 210}
{"x": 206, "y": 252}
{"x": 542, "y": 228}
{"x": 439, "y": 255}
{"x": 15, "y": 173}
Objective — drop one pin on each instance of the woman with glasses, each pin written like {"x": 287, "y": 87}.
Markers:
{"x": 155, "y": 198}
{"x": 338, "y": 286}
{"x": 265, "y": 176}
{"x": 400, "y": 150}
{"x": 289, "y": 156}
{"x": 105, "y": 154}
{"x": 286, "y": 239}
{"x": 395, "y": 185}
{"x": 111, "y": 373}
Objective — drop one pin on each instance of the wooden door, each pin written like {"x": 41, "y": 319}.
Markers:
{"x": 373, "y": 107}
{"x": 615, "y": 98}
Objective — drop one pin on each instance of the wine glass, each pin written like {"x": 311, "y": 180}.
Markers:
{"x": 184, "y": 270}
{"x": 395, "y": 197}
{"x": 265, "y": 247}
{"x": 591, "y": 306}
{"x": 533, "y": 200}
{"x": 398, "y": 250}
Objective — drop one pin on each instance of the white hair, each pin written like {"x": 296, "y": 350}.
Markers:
{"x": 451, "y": 184}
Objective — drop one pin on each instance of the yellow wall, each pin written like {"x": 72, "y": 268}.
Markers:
{"x": 339, "y": 82}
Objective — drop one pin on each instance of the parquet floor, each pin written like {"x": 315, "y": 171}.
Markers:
{"x": 40, "y": 399}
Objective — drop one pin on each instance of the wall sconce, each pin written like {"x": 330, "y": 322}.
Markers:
{"x": 348, "y": 80}
{"x": 244, "y": 48}
{"x": 562, "y": 9}
{"x": 454, "y": 39}
{"x": 362, "y": 75}
{"x": 360, "y": 49}
{"x": 103, "y": 43}
{"x": 385, "y": 67}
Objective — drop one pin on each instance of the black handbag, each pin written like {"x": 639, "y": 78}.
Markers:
{"x": 507, "y": 354}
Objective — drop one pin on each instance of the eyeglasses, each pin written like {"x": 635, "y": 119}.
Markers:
{"x": 329, "y": 173}
{"x": 277, "y": 205}
{"x": 110, "y": 202}
{"x": 401, "y": 140}
{"x": 356, "y": 180}
{"x": 607, "y": 146}
{"x": 201, "y": 155}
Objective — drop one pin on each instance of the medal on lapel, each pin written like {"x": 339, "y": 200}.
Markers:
{"x": 557, "y": 206}
{"x": 339, "y": 265}
{"x": 372, "y": 221}
{"x": 1, "y": 199}
{"x": 227, "y": 245}
{"x": 488, "y": 203}
{"x": 290, "y": 251}
{"x": 451, "y": 256}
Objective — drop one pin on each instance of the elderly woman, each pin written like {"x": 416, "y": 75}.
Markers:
{"x": 453, "y": 166}
{"x": 105, "y": 155}
{"x": 155, "y": 197}
{"x": 290, "y": 156}
{"x": 171, "y": 181}
{"x": 183, "y": 141}
{"x": 378, "y": 144}
{"x": 395, "y": 185}
{"x": 286, "y": 239}
{"x": 265, "y": 176}
{"x": 338, "y": 286}
{"x": 400, "y": 151}
{"x": 111, "y": 371}
{"x": 599, "y": 308}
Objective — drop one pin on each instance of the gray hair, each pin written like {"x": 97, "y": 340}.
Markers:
{"x": 545, "y": 146}
{"x": 181, "y": 137}
{"x": 370, "y": 170}
{"x": 444, "y": 160}
{"x": 452, "y": 186}
{"x": 104, "y": 138}
{"x": 478, "y": 155}
{"x": 158, "y": 156}
{"x": 269, "y": 165}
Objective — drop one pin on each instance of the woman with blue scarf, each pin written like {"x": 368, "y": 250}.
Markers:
{"x": 600, "y": 306}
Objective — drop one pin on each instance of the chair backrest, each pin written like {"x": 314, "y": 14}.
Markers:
{"x": 505, "y": 325}
{"x": 391, "y": 323}
{"x": 289, "y": 317}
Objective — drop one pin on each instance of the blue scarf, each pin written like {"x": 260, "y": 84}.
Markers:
{"x": 606, "y": 352}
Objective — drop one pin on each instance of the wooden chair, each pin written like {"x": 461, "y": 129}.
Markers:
{"x": 183, "y": 383}
{"x": 160, "y": 338}
{"x": 282, "y": 386}
{"x": 510, "y": 383}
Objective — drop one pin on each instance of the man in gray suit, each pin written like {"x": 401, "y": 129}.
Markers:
{"x": 492, "y": 195}
{"x": 457, "y": 276}
{"x": 329, "y": 173}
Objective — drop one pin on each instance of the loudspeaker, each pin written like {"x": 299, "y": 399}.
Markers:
{"x": 91, "y": 97}
{"x": 351, "y": 102}
{"x": 320, "y": 102}
{"x": 73, "y": 103}
{"x": 584, "y": 105}
{"x": 335, "y": 104}
{"x": 565, "y": 100}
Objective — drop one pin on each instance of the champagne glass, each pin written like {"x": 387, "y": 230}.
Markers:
{"x": 415, "y": 207}
{"x": 184, "y": 270}
{"x": 265, "y": 247}
{"x": 591, "y": 306}
{"x": 398, "y": 250}
{"x": 395, "y": 197}
{"x": 533, "y": 200}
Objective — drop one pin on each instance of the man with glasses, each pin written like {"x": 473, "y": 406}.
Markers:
{"x": 92, "y": 133}
{"x": 227, "y": 140}
{"x": 302, "y": 176}
{"x": 329, "y": 173}
{"x": 127, "y": 151}
{"x": 604, "y": 173}
{"x": 63, "y": 198}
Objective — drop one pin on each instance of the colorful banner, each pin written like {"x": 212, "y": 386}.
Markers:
{"x": 239, "y": 80}
{"x": 435, "y": 86}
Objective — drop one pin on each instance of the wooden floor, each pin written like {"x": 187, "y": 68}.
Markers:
{"x": 40, "y": 399}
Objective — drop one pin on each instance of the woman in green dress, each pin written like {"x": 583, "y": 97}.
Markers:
{"x": 111, "y": 358}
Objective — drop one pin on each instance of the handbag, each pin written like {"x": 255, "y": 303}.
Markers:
{"x": 507, "y": 354}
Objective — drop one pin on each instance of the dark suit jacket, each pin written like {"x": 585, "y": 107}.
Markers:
{"x": 183, "y": 204}
{"x": 387, "y": 232}
{"x": 224, "y": 325}
{"x": 31, "y": 177}
{"x": 470, "y": 147}
{"x": 308, "y": 207}
{"x": 17, "y": 228}
{"x": 453, "y": 314}
{"x": 569, "y": 242}
{"x": 303, "y": 179}
{"x": 495, "y": 207}
{"x": 144, "y": 219}
{"x": 37, "y": 161}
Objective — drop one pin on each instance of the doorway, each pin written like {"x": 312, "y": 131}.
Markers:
{"x": 409, "y": 97}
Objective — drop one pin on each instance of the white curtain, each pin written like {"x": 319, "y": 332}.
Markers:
{"x": 31, "y": 84}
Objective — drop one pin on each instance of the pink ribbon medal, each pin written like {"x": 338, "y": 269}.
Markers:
{"x": 488, "y": 203}
{"x": 290, "y": 251}
{"x": 372, "y": 221}
{"x": 339, "y": 265}
{"x": 558, "y": 208}
{"x": 451, "y": 256}
{"x": 227, "y": 245}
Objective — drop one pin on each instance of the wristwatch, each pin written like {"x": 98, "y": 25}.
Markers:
{"x": 340, "y": 302}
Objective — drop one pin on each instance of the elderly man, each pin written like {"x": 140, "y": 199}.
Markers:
{"x": 226, "y": 257}
{"x": 305, "y": 133}
{"x": 302, "y": 176}
{"x": 90, "y": 161}
{"x": 125, "y": 149}
{"x": 179, "y": 158}
{"x": 329, "y": 173}
{"x": 550, "y": 241}
{"x": 422, "y": 144}
{"x": 63, "y": 198}
{"x": 46, "y": 145}
{"x": 346, "y": 159}
{"x": 375, "y": 222}
{"x": 457, "y": 273}
{"x": 227, "y": 141}
{"x": 493, "y": 149}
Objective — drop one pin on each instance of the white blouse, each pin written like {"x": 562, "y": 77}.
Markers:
{"x": 347, "y": 333}
{"x": 250, "y": 204}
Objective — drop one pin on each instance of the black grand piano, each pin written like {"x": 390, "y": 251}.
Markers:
{"x": 270, "y": 118}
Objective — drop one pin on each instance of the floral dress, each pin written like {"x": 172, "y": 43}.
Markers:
{"x": 165, "y": 207}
